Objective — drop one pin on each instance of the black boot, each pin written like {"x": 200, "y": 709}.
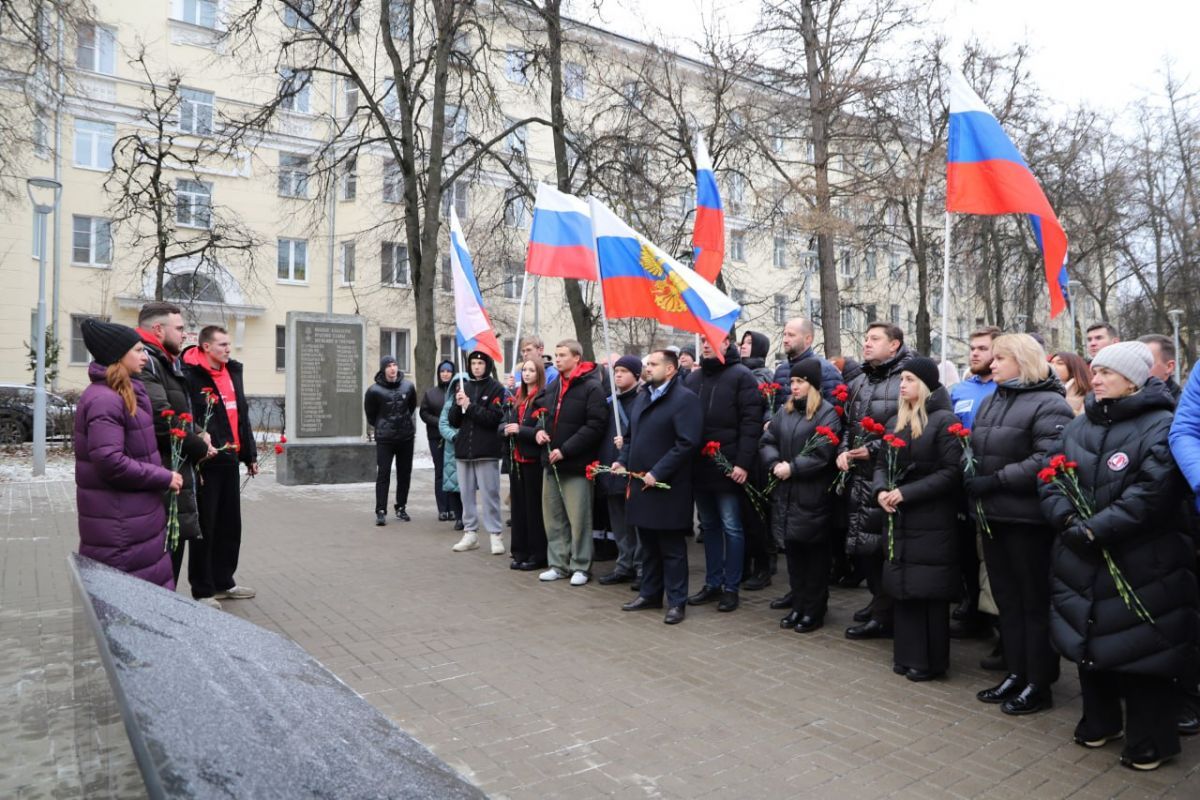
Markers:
{"x": 780, "y": 603}
{"x": 380, "y": 518}
{"x": 729, "y": 601}
{"x": 1032, "y": 699}
{"x": 758, "y": 581}
{"x": 707, "y": 594}
{"x": 790, "y": 620}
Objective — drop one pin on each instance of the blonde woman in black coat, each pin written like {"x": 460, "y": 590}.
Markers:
{"x": 802, "y": 507}
{"x": 920, "y": 568}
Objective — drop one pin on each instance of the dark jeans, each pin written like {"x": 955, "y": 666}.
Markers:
{"x": 664, "y": 565}
{"x": 437, "y": 451}
{"x": 808, "y": 577}
{"x": 881, "y": 603}
{"x": 385, "y": 453}
{"x": 528, "y": 526}
{"x": 922, "y": 634}
{"x": 214, "y": 558}
{"x": 1150, "y": 706}
{"x": 724, "y": 542}
{"x": 1018, "y": 565}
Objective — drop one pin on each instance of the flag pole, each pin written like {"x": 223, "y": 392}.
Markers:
{"x": 946, "y": 289}
{"x": 603, "y": 313}
{"x": 520, "y": 320}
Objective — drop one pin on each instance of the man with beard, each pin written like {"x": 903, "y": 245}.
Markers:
{"x": 797, "y": 345}
{"x": 161, "y": 327}
{"x": 967, "y": 397}
{"x": 875, "y": 394}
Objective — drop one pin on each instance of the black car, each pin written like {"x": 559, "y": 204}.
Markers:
{"x": 16, "y": 414}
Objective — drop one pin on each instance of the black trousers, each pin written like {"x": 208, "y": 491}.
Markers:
{"x": 759, "y": 542}
{"x": 664, "y": 565}
{"x": 437, "y": 451}
{"x": 968, "y": 562}
{"x": 385, "y": 454}
{"x": 881, "y": 603}
{"x": 922, "y": 634}
{"x": 528, "y": 525}
{"x": 808, "y": 576}
{"x": 1018, "y": 564}
{"x": 1150, "y": 706}
{"x": 214, "y": 558}
{"x": 454, "y": 500}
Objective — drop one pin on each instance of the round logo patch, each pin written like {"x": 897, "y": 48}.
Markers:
{"x": 1118, "y": 461}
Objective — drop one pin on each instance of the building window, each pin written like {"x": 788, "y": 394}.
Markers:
{"x": 848, "y": 318}
{"x": 870, "y": 272}
{"x": 574, "y": 81}
{"x": 736, "y": 192}
{"x": 516, "y": 211}
{"x": 447, "y": 275}
{"x": 448, "y": 350}
{"x": 776, "y": 138}
{"x": 96, "y": 49}
{"x": 814, "y": 310}
{"x": 91, "y": 242}
{"x": 297, "y": 15}
{"x": 350, "y": 178}
{"x": 515, "y": 65}
{"x": 780, "y": 253}
{"x": 738, "y": 296}
{"x": 293, "y": 175}
{"x": 349, "y": 97}
{"x": 393, "y": 182}
{"x": 894, "y": 267}
{"x": 347, "y": 263}
{"x": 737, "y": 246}
{"x": 455, "y": 130}
{"x": 394, "y": 343}
{"x": 844, "y": 267}
{"x": 894, "y": 314}
{"x": 393, "y": 264}
{"x": 456, "y": 194}
{"x": 292, "y": 261}
{"x": 400, "y": 18}
{"x": 780, "y": 309}
{"x": 189, "y": 288}
{"x": 515, "y": 143}
{"x": 199, "y": 12}
{"x": 295, "y": 90}
{"x": 280, "y": 348}
{"x": 78, "y": 350}
{"x": 869, "y": 312}
{"x": 195, "y": 112}
{"x": 94, "y": 144}
{"x": 193, "y": 203}
{"x": 514, "y": 272}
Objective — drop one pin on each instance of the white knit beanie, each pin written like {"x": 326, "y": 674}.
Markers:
{"x": 1131, "y": 359}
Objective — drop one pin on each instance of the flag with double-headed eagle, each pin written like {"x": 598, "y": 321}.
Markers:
{"x": 640, "y": 280}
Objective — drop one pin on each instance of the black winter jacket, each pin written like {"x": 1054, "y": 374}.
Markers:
{"x": 431, "y": 405}
{"x": 218, "y": 427}
{"x": 167, "y": 388}
{"x": 876, "y": 394}
{"x": 576, "y": 417}
{"x": 1015, "y": 431}
{"x": 389, "y": 406}
{"x": 527, "y": 450}
{"x": 802, "y": 507}
{"x": 663, "y": 438}
{"x": 924, "y": 563}
{"x": 1125, "y": 464}
{"x": 612, "y": 484}
{"x": 477, "y": 437}
{"x": 830, "y": 377}
{"x": 733, "y": 416}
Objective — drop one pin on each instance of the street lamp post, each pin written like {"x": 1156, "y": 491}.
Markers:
{"x": 1175, "y": 314}
{"x": 44, "y": 193}
{"x": 1071, "y": 305}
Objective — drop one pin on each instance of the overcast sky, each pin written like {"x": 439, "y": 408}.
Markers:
{"x": 1103, "y": 52}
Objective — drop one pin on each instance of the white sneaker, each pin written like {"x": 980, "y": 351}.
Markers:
{"x": 550, "y": 575}
{"x": 579, "y": 578}
{"x": 497, "y": 544}
{"x": 210, "y": 602}
{"x": 236, "y": 593}
{"x": 469, "y": 541}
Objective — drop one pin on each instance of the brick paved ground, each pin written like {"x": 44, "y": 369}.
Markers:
{"x": 536, "y": 690}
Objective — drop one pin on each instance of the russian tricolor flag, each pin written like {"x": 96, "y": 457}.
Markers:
{"x": 472, "y": 324}
{"x": 560, "y": 241}
{"x": 986, "y": 175}
{"x": 708, "y": 235}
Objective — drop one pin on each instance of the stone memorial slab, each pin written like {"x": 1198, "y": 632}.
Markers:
{"x": 217, "y": 707}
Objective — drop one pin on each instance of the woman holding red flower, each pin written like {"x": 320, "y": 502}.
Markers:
{"x": 799, "y": 448}
{"x": 528, "y": 545}
{"x": 918, "y": 486}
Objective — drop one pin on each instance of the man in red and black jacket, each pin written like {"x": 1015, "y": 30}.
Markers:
{"x": 575, "y": 418}
{"x": 211, "y": 373}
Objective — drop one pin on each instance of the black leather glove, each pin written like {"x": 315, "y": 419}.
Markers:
{"x": 1075, "y": 538}
{"x": 981, "y": 485}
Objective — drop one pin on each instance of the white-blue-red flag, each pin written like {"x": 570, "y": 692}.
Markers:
{"x": 560, "y": 241}
{"x": 708, "y": 233}
{"x": 986, "y": 175}
{"x": 472, "y": 324}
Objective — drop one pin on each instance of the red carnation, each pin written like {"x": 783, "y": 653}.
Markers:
{"x": 185, "y": 417}
{"x": 956, "y": 428}
{"x": 898, "y": 442}
{"x": 841, "y": 412}
{"x": 711, "y": 449}
{"x": 278, "y": 448}
{"x": 1071, "y": 465}
{"x": 167, "y": 413}
{"x": 1058, "y": 462}
{"x": 889, "y": 437}
{"x": 283, "y": 438}
{"x": 178, "y": 433}
{"x": 1047, "y": 475}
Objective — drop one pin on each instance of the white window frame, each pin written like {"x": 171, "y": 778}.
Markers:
{"x": 515, "y": 62}
{"x": 737, "y": 191}
{"x": 737, "y": 245}
{"x": 349, "y": 97}
{"x": 193, "y": 203}
{"x": 871, "y": 268}
{"x": 446, "y": 276}
{"x": 456, "y": 122}
{"x": 196, "y": 109}
{"x": 516, "y": 143}
{"x": 349, "y": 181}
{"x": 296, "y": 253}
{"x": 96, "y": 49}
{"x": 94, "y": 140}
{"x": 516, "y": 210}
{"x": 193, "y": 12}
{"x": 293, "y": 175}
{"x": 99, "y": 241}
{"x": 393, "y": 182}
{"x": 298, "y": 101}
{"x": 848, "y": 318}
{"x": 513, "y": 275}
{"x": 399, "y": 274}
{"x": 399, "y": 343}
{"x": 293, "y": 20}
{"x": 894, "y": 313}
{"x": 845, "y": 267}
{"x": 77, "y": 338}
{"x": 574, "y": 77}
{"x": 779, "y": 252}
{"x": 348, "y": 256}
{"x": 458, "y": 193}
{"x": 280, "y": 348}
{"x": 779, "y": 308}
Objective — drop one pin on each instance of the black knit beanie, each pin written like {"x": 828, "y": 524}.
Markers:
{"x": 809, "y": 369}
{"x": 108, "y": 342}
{"x": 926, "y": 371}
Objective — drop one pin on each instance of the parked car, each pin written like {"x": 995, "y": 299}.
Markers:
{"x": 16, "y": 414}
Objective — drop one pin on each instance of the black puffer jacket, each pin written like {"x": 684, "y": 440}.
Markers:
{"x": 1015, "y": 431}
{"x": 477, "y": 426}
{"x": 924, "y": 562}
{"x": 432, "y": 402}
{"x": 876, "y": 394}
{"x": 167, "y": 389}
{"x": 389, "y": 406}
{"x": 576, "y": 417}
{"x": 733, "y": 416}
{"x": 1125, "y": 464}
{"x": 802, "y": 507}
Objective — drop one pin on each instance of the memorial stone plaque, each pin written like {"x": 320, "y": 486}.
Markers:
{"x": 326, "y": 376}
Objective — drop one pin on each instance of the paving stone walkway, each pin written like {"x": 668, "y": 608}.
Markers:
{"x": 542, "y": 690}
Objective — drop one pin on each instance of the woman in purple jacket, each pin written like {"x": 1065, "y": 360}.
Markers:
{"x": 119, "y": 477}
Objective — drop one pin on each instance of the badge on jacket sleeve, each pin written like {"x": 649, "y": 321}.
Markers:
{"x": 1118, "y": 461}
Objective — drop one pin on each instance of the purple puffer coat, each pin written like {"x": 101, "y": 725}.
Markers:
{"x": 119, "y": 483}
